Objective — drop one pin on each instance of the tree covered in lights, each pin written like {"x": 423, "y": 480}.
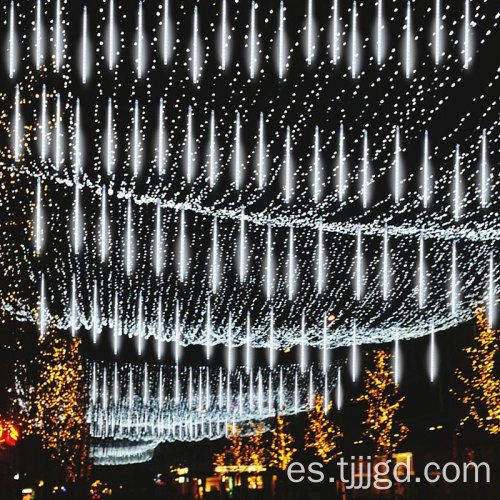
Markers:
{"x": 57, "y": 407}
{"x": 281, "y": 450}
{"x": 383, "y": 404}
{"x": 233, "y": 454}
{"x": 242, "y": 454}
{"x": 322, "y": 435}
{"x": 481, "y": 388}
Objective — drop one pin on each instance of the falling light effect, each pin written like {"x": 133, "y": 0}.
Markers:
{"x": 12, "y": 37}
{"x": 380, "y": 28}
{"x": 456, "y": 210}
{"x": 182, "y": 253}
{"x": 161, "y": 139}
{"x": 354, "y": 353}
{"x": 38, "y": 31}
{"x": 269, "y": 257}
{"x": 136, "y": 139}
{"x": 325, "y": 344}
{"x": 359, "y": 260}
{"x": 467, "y": 57}
{"x": 326, "y": 395}
{"x": 288, "y": 173}
{"x": 128, "y": 239}
{"x": 248, "y": 350}
{"x": 165, "y": 32}
{"x": 385, "y": 265}
{"x": 365, "y": 174}
{"x": 426, "y": 174}
{"x": 491, "y": 291}
{"x": 43, "y": 124}
{"x": 140, "y": 326}
{"x": 103, "y": 224}
{"x": 335, "y": 41}
{"x": 433, "y": 364}
{"x": 77, "y": 220}
{"x": 77, "y": 140}
{"x": 341, "y": 163}
{"x": 261, "y": 151}
{"x": 73, "y": 306}
{"x": 195, "y": 62}
{"x": 223, "y": 53}
{"x": 280, "y": 391}
{"x": 291, "y": 263}
{"x": 158, "y": 260}
{"x": 281, "y": 42}
{"x": 42, "y": 306}
{"x": 116, "y": 325}
{"x": 111, "y": 35}
{"x": 177, "y": 333}
{"x": 421, "y": 271}
{"x": 229, "y": 347}
{"x": 316, "y": 166}
{"x": 109, "y": 139}
{"x": 437, "y": 33}
{"x": 484, "y": 171}
{"x": 237, "y": 152}
{"x": 397, "y": 361}
{"x": 140, "y": 37}
{"x": 212, "y": 157}
{"x": 271, "y": 338}
{"x": 38, "y": 217}
{"x": 303, "y": 342}
{"x": 208, "y": 327}
{"x": 242, "y": 266}
{"x": 397, "y": 166}
{"x": 321, "y": 258}
{"x": 252, "y": 41}
{"x": 95, "y": 314}
{"x": 85, "y": 65}
{"x": 58, "y": 133}
{"x": 354, "y": 48}
{"x": 215, "y": 269}
{"x": 309, "y": 32}
{"x": 189, "y": 146}
{"x": 339, "y": 389}
{"x": 408, "y": 56}
{"x": 454, "y": 279}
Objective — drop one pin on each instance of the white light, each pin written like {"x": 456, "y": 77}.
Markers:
{"x": 281, "y": 63}
{"x": 12, "y": 68}
{"x": 397, "y": 166}
{"x": 425, "y": 197}
{"x": 457, "y": 200}
{"x": 421, "y": 272}
{"x": 111, "y": 39}
{"x": 195, "y": 64}
{"x": 269, "y": 263}
{"x": 437, "y": 33}
{"x": 359, "y": 258}
{"x": 84, "y": 46}
{"x": 291, "y": 263}
{"x": 252, "y": 40}
{"x": 214, "y": 256}
{"x": 139, "y": 41}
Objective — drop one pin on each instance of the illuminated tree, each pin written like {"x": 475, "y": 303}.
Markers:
{"x": 321, "y": 434}
{"x": 481, "y": 390}
{"x": 255, "y": 450}
{"x": 233, "y": 454}
{"x": 383, "y": 404}
{"x": 57, "y": 413}
{"x": 282, "y": 450}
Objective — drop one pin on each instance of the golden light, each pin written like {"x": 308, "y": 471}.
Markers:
{"x": 331, "y": 318}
